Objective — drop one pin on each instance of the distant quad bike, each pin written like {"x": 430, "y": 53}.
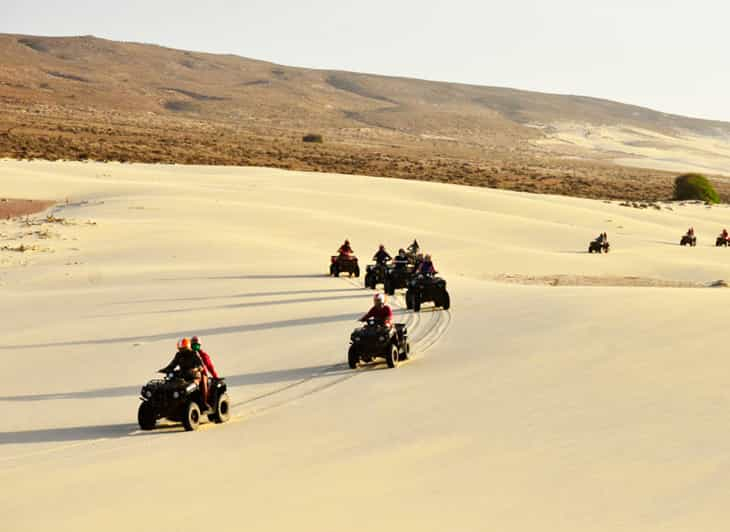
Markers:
{"x": 374, "y": 340}
{"x": 688, "y": 240}
{"x": 596, "y": 246}
{"x": 427, "y": 288}
{"x": 344, "y": 264}
{"x": 178, "y": 399}
{"x": 397, "y": 278}
{"x": 375, "y": 274}
{"x": 722, "y": 241}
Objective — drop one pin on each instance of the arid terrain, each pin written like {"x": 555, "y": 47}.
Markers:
{"x": 86, "y": 98}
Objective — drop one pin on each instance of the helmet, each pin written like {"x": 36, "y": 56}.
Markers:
{"x": 184, "y": 343}
{"x": 381, "y": 247}
{"x": 428, "y": 257}
{"x": 347, "y": 242}
{"x": 379, "y": 298}
{"x": 195, "y": 340}
{"x": 402, "y": 251}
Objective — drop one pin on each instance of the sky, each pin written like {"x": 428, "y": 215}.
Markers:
{"x": 669, "y": 55}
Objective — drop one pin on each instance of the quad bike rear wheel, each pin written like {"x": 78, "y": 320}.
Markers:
{"x": 222, "y": 409}
{"x": 445, "y": 301}
{"x": 357, "y": 271}
{"x": 191, "y": 417}
{"x": 146, "y": 416}
{"x": 392, "y": 357}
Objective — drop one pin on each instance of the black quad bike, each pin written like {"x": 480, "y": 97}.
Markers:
{"x": 396, "y": 278}
{"x": 344, "y": 264}
{"x": 375, "y": 340}
{"x": 375, "y": 274}
{"x": 722, "y": 241}
{"x": 178, "y": 399}
{"x": 598, "y": 246}
{"x": 427, "y": 288}
{"x": 688, "y": 240}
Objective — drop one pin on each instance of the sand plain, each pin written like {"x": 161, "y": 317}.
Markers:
{"x": 526, "y": 407}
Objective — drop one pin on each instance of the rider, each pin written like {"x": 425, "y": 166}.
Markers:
{"x": 401, "y": 260}
{"x": 382, "y": 313}
{"x": 691, "y": 231}
{"x": 427, "y": 267}
{"x": 414, "y": 247}
{"x": 190, "y": 364}
{"x": 381, "y": 256}
{"x": 724, "y": 234}
{"x": 208, "y": 367}
{"x": 345, "y": 249}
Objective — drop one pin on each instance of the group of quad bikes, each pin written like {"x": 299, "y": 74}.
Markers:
{"x": 601, "y": 245}
{"x": 374, "y": 340}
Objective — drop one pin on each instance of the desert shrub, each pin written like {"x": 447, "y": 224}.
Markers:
{"x": 313, "y": 137}
{"x": 695, "y": 187}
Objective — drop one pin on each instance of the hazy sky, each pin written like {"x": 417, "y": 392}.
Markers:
{"x": 669, "y": 55}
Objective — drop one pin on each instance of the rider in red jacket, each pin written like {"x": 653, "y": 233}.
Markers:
{"x": 208, "y": 366}
{"x": 380, "y": 311}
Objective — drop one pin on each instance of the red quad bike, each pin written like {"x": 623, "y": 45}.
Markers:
{"x": 344, "y": 264}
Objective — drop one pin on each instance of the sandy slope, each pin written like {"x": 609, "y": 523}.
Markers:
{"x": 643, "y": 148}
{"x": 526, "y": 407}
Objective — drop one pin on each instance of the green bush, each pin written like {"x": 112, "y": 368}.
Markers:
{"x": 313, "y": 137}
{"x": 695, "y": 187}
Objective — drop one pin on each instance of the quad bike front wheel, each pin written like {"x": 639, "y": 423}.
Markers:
{"x": 191, "y": 417}
{"x": 392, "y": 357}
{"x": 146, "y": 416}
{"x": 353, "y": 357}
{"x": 445, "y": 301}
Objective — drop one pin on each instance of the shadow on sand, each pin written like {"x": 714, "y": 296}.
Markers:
{"x": 237, "y": 305}
{"x": 241, "y": 296}
{"x": 283, "y": 324}
{"x": 242, "y": 379}
{"x": 248, "y": 277}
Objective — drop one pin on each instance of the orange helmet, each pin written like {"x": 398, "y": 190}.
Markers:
{"x": 184, "y": 343}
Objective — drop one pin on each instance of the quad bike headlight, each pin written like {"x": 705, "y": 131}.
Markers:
{"x": 191, "y": 387}
{"x": 148, "y": 394}
{"x": 382, "y": 338}
{"x": 175, "y": 394}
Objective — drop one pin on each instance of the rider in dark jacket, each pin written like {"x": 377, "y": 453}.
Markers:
{"x": 381, "y": 256}
{"x": 401, "y": 260}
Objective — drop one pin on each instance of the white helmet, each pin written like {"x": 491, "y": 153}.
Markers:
{"x": 379, "y": 298}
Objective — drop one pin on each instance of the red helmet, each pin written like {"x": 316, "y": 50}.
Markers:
{"x": 184, "y": 343}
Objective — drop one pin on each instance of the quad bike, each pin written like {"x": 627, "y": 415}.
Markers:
{"x": 178, "y": 399}
{"x": 397, "y": 277}
{"x": 375, "y": 340}
{"x": 344, "y": 264}
{"x": 722, "y": 241}
{"x": 375, "y": 274}
{"x": 427, "y": 288}
{"x": 688, "y": 240}
{"x": 598, "y": 246}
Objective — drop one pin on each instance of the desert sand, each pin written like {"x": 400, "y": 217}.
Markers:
{"x": 591, "y": 405}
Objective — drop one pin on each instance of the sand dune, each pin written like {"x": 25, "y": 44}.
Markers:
{"x": 527, "y": 407}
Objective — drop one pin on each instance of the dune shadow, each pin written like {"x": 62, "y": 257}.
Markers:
{"x": 67, "y": 434}
{"x": 234, "y": 306}
{"x": 244, "y": 295}
{"x": 248, "y": 277}
{"x": 211, "y": 331}
{"x": 241, "y": 379}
